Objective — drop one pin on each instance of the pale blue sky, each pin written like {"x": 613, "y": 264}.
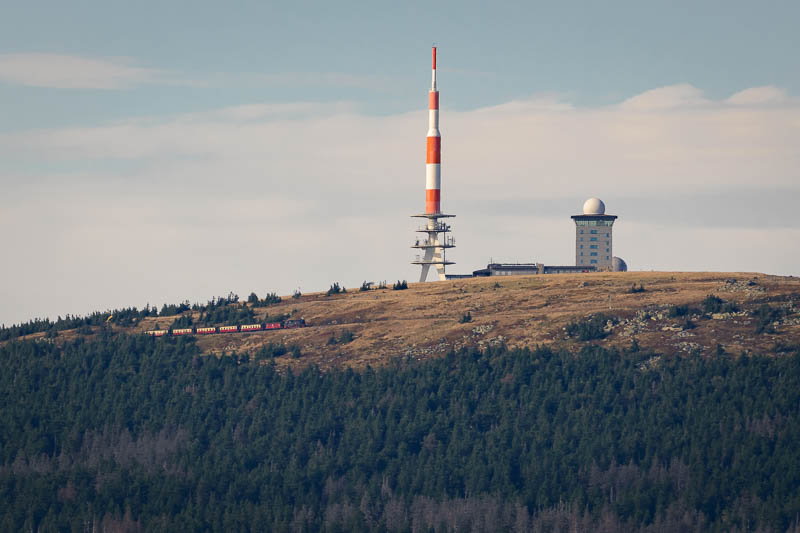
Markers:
{"x": 162, "y": 151}
{"x": 215, "y": 54}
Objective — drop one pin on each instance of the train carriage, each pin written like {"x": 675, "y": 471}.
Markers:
{"x": 206, "y": 331}
{"x": 252, "y": 327}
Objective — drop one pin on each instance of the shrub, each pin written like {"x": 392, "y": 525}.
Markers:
{"x": 766, "y": 316}
{"x": 590, "y": 328}
{"x": 252, "y": 299}
{"x": 272, "y": 298}
{"x": 297, "y": 294}
{"x": 172, "y": 309}
{"x": 335, "y": 289}
{"x": 635, "y": 290}
{"x": 400, "y": 285}
{"x": 467, "y": 317}
{"x": 367, "y": 285}
{"x": 382, "y": 284}
{"x": 497, "y": 285}
{"x": 271, "y": 350}
{"x": 678, "y": 311}
{"x": 183, "y": 321}
{"x": 689, "y": 324}
{"x": 346, "y": 336}
{"x": 714, "y": 304}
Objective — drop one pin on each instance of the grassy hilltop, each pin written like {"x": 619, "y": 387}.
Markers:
{"x": 669, "y": 312}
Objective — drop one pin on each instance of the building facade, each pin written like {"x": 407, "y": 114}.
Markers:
{"x": 594, "y": 236}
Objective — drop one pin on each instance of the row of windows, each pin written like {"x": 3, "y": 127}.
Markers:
{"x": 594, "y": 222}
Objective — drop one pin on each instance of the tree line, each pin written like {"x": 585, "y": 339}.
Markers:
{"x": 125, "y": 432}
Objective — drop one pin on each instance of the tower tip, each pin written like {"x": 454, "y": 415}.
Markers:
{"x": 434, "y": 57}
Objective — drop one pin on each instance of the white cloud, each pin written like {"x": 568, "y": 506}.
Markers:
{"x": 271, "y": 196}
{"x": 670, "y": 97}
{"x": 71, "y": 72}
{"x": 767, "y": 94}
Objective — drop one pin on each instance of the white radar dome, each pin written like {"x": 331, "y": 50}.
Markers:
{"x": 594, "y": 206}
{"x": 619, "y": 265}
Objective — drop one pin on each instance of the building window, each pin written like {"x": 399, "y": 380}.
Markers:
{"x": 593, "y": 239}
{"x": 607, "y": 250}
{"x": 592, "y": 246}
{"x": 594, "y": 231}
{"x": 593, "y": 253}
{"x": 581, "y": 246}
{"x": 593, "y": 261}
{"x": 606, "y": 257}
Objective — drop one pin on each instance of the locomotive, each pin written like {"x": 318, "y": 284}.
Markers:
{"x": 244, "y": 328}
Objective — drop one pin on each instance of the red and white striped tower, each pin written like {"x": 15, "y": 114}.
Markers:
{"x": 433, "y": 162}
{"x": 432, "y": 244}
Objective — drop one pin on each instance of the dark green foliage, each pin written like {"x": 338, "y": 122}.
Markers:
{"x": 367, "y": 285}
{"x": 466, "y": 317}
{"x": 271, "y": 350}
{"x": 344, "y": 337}
{"x": 765, "y": 317}
{"x": 280, "y": 317}
{"x": 635, "y": 290}
{"x": 227, "y": 315}
{"x": 252, "y": 299}
{"x": 400, "y": 285}
{"x": 215, "y": 303}
{"x": 715, "y": 304}
{"x": 224, "y": 310}
{"x": 149, "y": 433}
{"x": 680, "y": 311}
{"x": 781, "y": 346}
{"x": 297, "y": 294}
{"x": 335, "y": 289}
{"x": 590, "y": 328}
{"x": 295, "y": 351}
{"x": 122, "y": 317}
{"x": 497, "y": 285}
{"x": 271, "y": 298}
{"x": 183, "y": 321}
{"x": 173, "y": 309}
{"x": 689, "y": 324}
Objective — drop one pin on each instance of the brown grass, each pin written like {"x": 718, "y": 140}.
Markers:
{"x": 423, "y": 321}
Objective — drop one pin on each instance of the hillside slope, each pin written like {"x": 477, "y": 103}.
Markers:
{"x": 425, "y": 320}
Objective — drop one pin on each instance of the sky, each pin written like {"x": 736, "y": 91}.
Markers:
{"x": 156, "y": 152}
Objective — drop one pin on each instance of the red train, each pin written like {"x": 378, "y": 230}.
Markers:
{"x": 286, "y": 324}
